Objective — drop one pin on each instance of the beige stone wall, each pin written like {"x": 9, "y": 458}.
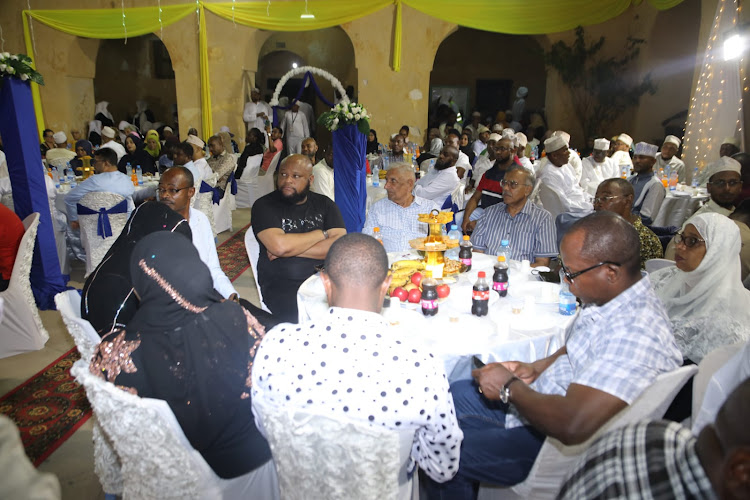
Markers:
{"x": 68, "y": 64}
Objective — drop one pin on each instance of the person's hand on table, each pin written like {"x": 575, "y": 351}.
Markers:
{"x": 491, "y": 378}
{"x": 75, "y": 225}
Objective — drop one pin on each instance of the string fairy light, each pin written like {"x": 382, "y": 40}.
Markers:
{"x": 268, "y": 9}
{"x": 124, "y": 28}
{"x": 31, "y": 30}
{"x": 235, "y": 24}
{"x": 161, "y": 26}
{"x": 198, "y": 14}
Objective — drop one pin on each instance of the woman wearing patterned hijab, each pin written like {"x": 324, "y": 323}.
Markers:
{"x": 189, "y": 347}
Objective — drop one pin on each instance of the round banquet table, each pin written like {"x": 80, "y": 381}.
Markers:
{"x": 454, "y": 335}
{"x": 677, "y": 207}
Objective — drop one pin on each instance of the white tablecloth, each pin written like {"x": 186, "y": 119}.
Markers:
{"x": 454, "y": 335}
{"x": 375, "y": 193}
{"x": 677, "y": 207}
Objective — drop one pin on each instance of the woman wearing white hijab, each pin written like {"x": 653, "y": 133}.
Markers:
{"x": 703, "y": 293}
{"x": 103, "y": 115}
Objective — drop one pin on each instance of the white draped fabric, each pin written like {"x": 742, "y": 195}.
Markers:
{"x": 716, "y": 109}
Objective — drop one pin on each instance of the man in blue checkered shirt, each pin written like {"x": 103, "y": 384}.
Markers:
{"x": 616, "y": 347}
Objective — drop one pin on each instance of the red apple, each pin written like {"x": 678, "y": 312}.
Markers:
{"x": 401, "y": 293}
{"x": 416, "y": 278}
{"x": 443, "y": 291}
{"x": 415, "y": 296}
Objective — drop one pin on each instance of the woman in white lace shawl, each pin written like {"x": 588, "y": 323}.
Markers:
{"x": 703, "y": 293}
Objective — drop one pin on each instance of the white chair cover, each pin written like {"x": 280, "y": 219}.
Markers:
{"x": 706, "y": 369}
{"x": 223, "y": 211}
{"x": 321, "y": 458}
{"x": 106, "y": 462}
{"x": 204, "y": 202}
{"x": 248, "y": 184}
{"x": 656, "y": 264}
{"x": 157, "y": 459}
{"x": 550, "y": 200}
{"x": 555, "y": 460}
{"x": 95, "y": 246}
{"x": 21, "y": 328}
{"x": 253, "y": 251}
{"x": 7, "y": 200}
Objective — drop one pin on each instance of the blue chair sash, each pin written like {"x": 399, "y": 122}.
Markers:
{"x": 233, "y": 182}
{"x": 103, "y": 227}
{"x": 206, "y": 188}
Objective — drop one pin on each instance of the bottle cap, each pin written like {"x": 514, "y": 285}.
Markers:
{"x": 376, "y": 230}
{"x": 501, "y": 258}
{"x": 454, "y": 227}
{"x": 481, "y": 274}
{"x": 504, "y": 242}
{"x": 466, "y": 237}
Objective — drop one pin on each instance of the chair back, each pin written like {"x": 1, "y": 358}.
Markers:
{"x": 204, "y": 202}
{"x": 7, "y": 200}
{"x": 319, "y": 457}
{"x": 550, "y": 200}
{"x": 83, "y": 333}
{"x": 253, "y": 251}
{"x": 656, "y": 264}
{"x": 157, "y": 461}
{"x": 555, "y": 460}
{"x": 21, "y": 327}
{"x": 252, "y": 167}
{"x": 223, "y": 211}
{"x": 94, "y": 240}
{"x": 708, "y": 366}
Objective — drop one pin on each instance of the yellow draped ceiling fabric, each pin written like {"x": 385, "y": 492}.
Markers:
{"x": 500, "y": 16}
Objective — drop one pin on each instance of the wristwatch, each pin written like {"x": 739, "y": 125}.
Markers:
{"x": 505, "y": 391}
{"x": 325, "y": 234}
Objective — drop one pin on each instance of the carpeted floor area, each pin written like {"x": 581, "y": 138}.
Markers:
{"x": 233, "y": 255}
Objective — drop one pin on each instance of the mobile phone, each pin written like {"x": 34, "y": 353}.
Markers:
{"x": 478, "y": 363}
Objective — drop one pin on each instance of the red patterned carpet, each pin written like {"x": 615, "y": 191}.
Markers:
{"x": 233, "y": 255}
{"x": 48, "y": 408}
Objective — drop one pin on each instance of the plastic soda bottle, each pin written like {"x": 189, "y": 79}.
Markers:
{"x": 139, "y": 174}
{"x": 505, "y": 250}
{"x": 375, "y": 176}
{"x": 429, "y": 295}
{"x": 376, "y": 234}
{"x": 500, "y": 278}
{"x": 480, "y": 296}
{"x": 128, "y": 169}
{"x": 464, "y": 254}
{"x": 454, "y": 234}
{"x": 55, "y": 176}
{"x": 567, "y": 304}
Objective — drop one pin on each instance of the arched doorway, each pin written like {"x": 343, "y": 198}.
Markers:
{"x": 140, "y": 70}
{"x": 329, "y": 49}
{"x": 482, "y": 72}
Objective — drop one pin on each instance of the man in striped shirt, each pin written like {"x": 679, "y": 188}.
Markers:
{"x": 530, "y": 229}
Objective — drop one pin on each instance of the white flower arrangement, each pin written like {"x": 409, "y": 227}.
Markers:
{"x": 301, "y": 71}
{"x": 19, "y": 65}
{"x": 346, "y": 113}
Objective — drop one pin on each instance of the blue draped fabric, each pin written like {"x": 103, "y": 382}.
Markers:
{"x": 350, "y": 176}
{"x": 206, "y": 188}
{"x": 19, "y": 131}
{"x": 308, "y": 77}
{"x": 103, "y": 227}
{"x": 233, "y": 183}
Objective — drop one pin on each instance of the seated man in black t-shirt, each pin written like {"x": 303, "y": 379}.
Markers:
{"x": 295, "y": 229}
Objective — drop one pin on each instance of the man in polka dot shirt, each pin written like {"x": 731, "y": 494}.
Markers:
{"x": 351, "y": 364}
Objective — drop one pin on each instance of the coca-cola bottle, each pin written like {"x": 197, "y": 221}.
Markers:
{"x": 480, "y": 296}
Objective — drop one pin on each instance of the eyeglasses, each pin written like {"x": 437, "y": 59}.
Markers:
{"x": 511, "y": 184}
{"x": 571, "y": 276}
{"x": 688, "y": 241}
{"x": 503, "y": 148}
{"x": 723, "y": 184}
{"x": 169, "y": 191}
{"x": 605, "y": 199}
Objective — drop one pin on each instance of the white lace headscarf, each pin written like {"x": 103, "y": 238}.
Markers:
{"x": 101, "y": 107}
{"x": 436, "y": 146}
{"x": 709, "y": 307}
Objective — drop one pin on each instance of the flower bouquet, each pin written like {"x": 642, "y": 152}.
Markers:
{"x": 346, "y": 113}
{"x": 19, "y": 65}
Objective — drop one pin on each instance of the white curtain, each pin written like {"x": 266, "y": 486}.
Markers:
{"x": 716, "y": 107}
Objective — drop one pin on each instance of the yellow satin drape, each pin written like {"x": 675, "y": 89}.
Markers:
{"x": 501, "y": 16}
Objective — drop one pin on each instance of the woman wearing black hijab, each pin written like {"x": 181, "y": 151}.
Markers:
{"x": 107, "y": 300}
{"x": 84, "y": 149}
{"x": 189, "y": 347}
{"x": 253, "y": 146}
{"x": 136, "y": 156}
{"x": 372, "y": 142}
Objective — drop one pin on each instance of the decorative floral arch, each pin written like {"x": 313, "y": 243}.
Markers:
{"x": 301, "y": 71}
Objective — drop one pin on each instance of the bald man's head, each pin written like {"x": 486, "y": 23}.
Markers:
{"x": 295, "y": 178}
{"x": 356, "y": 260}
{"x": 309, "y": 148}
{"x": 609, "y": 237}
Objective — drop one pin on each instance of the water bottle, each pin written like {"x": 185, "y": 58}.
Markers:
{"x": 70, "y": 173}
{"x": 386, "y": 161}
{"x": 500, "y": 278}
{"x": 695, "y": 177}
{"x": 376, "y": 234}
{"x": 534, "y": 153}
{"x": 567, "y": 304}
{"x": 71, "y": 178}
{"x": 464, "y": 253}
{"x": 429, "y": 295}
{"x": 139, "y": 174}
{"x": 454, "y": 234}
{"x": 505, "y": 250}
{"x": 480, "y": 296}
{"x": 128, "y": 169}
{"x": 375, "y": 176}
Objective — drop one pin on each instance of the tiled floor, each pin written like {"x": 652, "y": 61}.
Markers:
{"x": 73, "y": 462}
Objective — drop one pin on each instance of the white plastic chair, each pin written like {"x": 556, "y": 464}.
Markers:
{"x": 253, "y": 251}
{"x": 106, "y": 462}
{"x": 247, "y": 184}
{"x": 550, "y": 200}
{"x": 223, "y": 211}
{"x": 96, "y": 246}
{"x": 323, "y": 458}
{"x": 21, "y": 327}
{"x": 656, "y": 264}
{"x": 205, "y": 202}
{"x": 555, "y": 460}
{"x": 708, "y": 366}
{"x": 157, "y": 459}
